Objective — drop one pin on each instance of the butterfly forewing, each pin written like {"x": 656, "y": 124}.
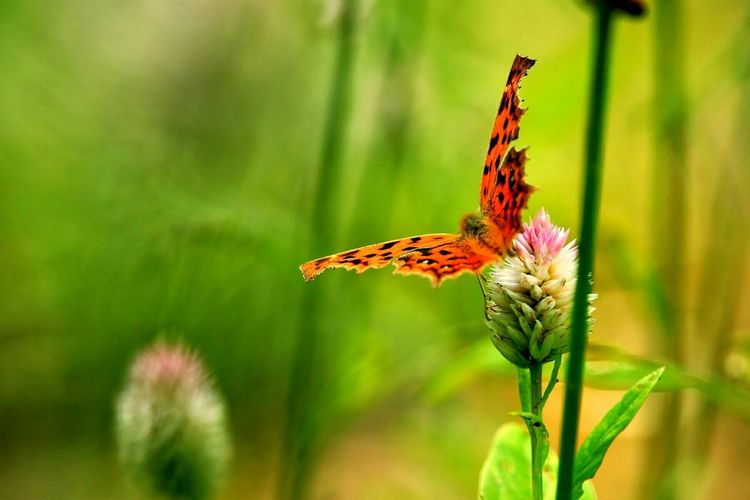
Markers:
{"x": 444, "y": 261}
{"x": 504, "y": 131}
{"x": 374, "y": 256}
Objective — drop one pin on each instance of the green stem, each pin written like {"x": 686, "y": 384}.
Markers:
{"x": 524, "y": 389}
{"x": 538, "y": 438}
{"x": 591, "y": 196}
{"x": 552, "y": 381}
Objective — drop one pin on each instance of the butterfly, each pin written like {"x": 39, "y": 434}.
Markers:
{"x": 484, "y": 236}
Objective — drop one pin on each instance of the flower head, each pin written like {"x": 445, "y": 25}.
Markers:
{"x": 171, "y": 425}
{"x": 531, "y": 294}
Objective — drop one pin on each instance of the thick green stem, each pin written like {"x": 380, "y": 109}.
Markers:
{"x": 591, "y": 195}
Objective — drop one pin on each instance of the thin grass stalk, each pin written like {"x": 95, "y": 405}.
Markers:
{"x": 301, "y": 432}
{"x": 669, "y": 234}
{"x": 589, "y": 216}
{"x": 693, "y": 464}
{"x": 378, "y": 186}
{"x": 394, "y": 116}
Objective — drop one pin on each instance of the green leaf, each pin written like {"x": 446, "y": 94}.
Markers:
{"x": 506, "y": 473}
{"x": 607, "y": 367}
{"x": 611, "y": 368}
{"x": 592, "y": 451}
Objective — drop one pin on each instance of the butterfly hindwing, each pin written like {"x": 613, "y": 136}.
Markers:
{"x": 510, "y": 196}
{"x": 504, "y": 130}
{"x": 447, "y": 260}
{"x": 374, "y": 256}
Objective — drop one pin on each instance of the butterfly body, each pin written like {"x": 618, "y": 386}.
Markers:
{"x": 484, "y": 236}
{"x": 483, "y": 232}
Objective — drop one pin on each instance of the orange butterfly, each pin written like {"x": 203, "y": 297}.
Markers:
{"x": 485, "y": 236}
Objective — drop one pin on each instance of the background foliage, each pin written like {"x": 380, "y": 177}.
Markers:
{"x": 159, "y": 161}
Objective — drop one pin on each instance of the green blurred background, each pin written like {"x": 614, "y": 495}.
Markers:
{"x": 159, "y": 167}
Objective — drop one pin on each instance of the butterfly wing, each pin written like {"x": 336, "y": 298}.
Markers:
{"x": 374, "y": 256}
{"x": 446, "y": 260}
{"x": 504, "y": 131}
{"x": 503, "y": 195}
{"x": 510, "y": 196}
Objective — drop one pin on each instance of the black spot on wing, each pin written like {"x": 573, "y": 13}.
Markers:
{"x": 501, "y": 178}
{"x": 493, "y": 142}
{"x": 503, "y": 104}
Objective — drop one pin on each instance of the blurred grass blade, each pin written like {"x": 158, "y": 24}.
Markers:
{"x": 722, "y": 306}
{"x": 506, "y": 471}
{"x": 669, "y": 232}
{"x": 591, "y": 453}
{"x": 302, "y": 430}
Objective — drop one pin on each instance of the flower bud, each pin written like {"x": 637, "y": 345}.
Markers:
{"x": 170, "y": 426}
{"x": 530, "y": 297}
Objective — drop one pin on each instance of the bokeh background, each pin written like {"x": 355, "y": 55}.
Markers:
{"x": 166, "y": 166}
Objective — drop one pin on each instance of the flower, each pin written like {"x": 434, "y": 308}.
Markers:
{"x": 530, "y": 294}
{"x": 171, "y": 427}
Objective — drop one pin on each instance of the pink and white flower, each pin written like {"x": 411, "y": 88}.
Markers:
{"x": 531, "y": 294}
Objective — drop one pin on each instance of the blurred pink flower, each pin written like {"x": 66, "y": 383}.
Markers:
{"x": 171, "y": 426}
